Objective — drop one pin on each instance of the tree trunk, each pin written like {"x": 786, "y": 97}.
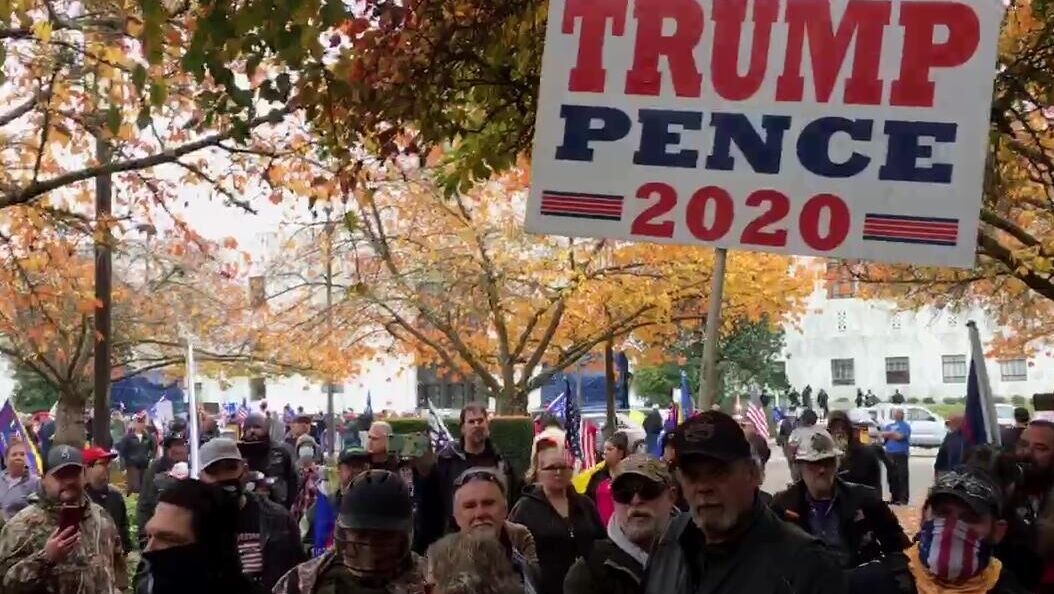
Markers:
{"x": 513, "y": 402}
{"x": 69, "y": 418}
{"x": 609, "y": 380}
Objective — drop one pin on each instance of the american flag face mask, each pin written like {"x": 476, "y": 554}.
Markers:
{"x": 951, "y": 550}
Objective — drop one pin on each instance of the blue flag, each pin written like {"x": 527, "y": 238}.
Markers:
{"x": 324, "y": 523}
{"x": 687, "y": 402}
{"x": 11, "y": 429}
{"x": 974, "y": 430}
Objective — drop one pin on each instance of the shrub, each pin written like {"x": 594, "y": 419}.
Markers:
{"x": 929, "y": 400}
{"x": 512, "y": 436}
{"x": 954, "y": 400}
{"x": 999, "y": 399}
{"x": 913, "y": 400}
{"x": 841, "y": 401}
{"x": 1019, "y": 400}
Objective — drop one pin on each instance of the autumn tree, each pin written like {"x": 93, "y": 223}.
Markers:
{"x": 457, "y": 282}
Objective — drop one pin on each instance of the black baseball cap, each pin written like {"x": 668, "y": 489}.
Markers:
{"x": 711, "y": 434}
{"x": 971, "y": 486}
{"x": 61, "y": 456}
{"x": 353, "y": 456}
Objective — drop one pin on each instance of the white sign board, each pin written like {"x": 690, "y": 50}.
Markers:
{"x": 839, "y": 128}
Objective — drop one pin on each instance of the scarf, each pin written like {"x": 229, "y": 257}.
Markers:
{"x": 618, "y": 537}
{"x": 926, "y": 583}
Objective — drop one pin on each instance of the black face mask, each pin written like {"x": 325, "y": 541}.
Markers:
{"x": 169, "y": 568}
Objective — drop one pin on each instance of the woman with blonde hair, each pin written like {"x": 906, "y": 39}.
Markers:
{"x": 471, "y": 563}
{"x": 564, "y": 523}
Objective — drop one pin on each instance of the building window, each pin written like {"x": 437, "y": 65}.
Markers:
{"x": 257, "y": 388}
{"x": 842, "y": 373}
{"x": 840, "y": 281}
{"x": 446, "y": 390}
{"x": 337, "y": 388}
{"x": 953, "y": 368}
{"x": 953, "y": 321}
{"x": 898, "y": 371}
{"x": 1013, "y": 370}
{"x": 895, "y": 322}
{"x": 843, "y": 322}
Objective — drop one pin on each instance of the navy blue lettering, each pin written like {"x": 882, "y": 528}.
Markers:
{"x": 579, "y": 131}
{"x": 905, "y": 150}
{"x": 763, "y": 154}
{"x": 656, "y": 137}
{"x": 814, "y": 146}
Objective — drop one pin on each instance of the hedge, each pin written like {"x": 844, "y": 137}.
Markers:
{"x": 512, "y": 436}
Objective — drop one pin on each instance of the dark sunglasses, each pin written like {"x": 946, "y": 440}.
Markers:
{"x": 626, "y": 488}
{"x": 479, "y": 475}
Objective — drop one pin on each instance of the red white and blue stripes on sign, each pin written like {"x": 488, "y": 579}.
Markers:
{"x": 582, "y": 206}
{"x": 908, "y": 229}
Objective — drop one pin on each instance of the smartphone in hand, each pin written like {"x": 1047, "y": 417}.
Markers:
{"x": 70, "y": 515}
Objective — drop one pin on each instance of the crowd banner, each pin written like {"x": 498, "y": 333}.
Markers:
{"x": 11, "y": 428}
{"x": 836, "y": 128}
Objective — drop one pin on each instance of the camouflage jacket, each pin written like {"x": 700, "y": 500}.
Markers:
{"x": 305, "y": 578}
{"x": 95, "y": 566}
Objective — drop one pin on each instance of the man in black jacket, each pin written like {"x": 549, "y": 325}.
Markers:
{"x": 174, "y": 449}
{"x": 644, "y": 501}
{"x": 137, "y": 450}
{"x": 273, "y": 460}
{"x": 861, "y": 463}
{"x": 730, "y": 542}
{"x": 435, "y": 498}
{"x": 268, "y": 537}
{"x": 97, "y": 486}
{"x": 852, "y": 520}
{"x": 960, "y": 528}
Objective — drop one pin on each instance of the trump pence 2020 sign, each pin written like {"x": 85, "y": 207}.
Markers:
{"x": 841, "y": 128}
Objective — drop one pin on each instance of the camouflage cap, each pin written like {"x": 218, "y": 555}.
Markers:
{"x": 643, "y": 465}
{"x": 818, "y": 446}
{"x": 972, "y": 486}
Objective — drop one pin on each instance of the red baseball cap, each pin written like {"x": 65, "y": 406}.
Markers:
{"x": 95, "y": 454}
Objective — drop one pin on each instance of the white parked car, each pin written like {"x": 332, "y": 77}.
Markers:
{"x": 633, "y": 429}
{"x": 1005, "y": 415}
{"x": 927, "y": 427}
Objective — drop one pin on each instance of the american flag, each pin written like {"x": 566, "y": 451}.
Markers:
{"x": 573, "y": 424}
{"x": 756, "y": 416}
{"x": 437, "y": 430}
{"x": 243, "y": 412}
{"x": 589, "y": 444}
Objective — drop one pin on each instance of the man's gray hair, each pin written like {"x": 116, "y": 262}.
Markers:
{"x": 383, "y": 425}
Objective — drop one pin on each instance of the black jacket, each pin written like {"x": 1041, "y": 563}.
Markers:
{"x": 275, "y": 461}
{"x": 151, "y": 489}
{"x": 137, "y": 452}
{"x": 772, "y": 557}
{"x": 280, "y": 541}
{"x": 559, "y": 541}
{"x": 863, "y": 465}
{"x": 607, "y": 570}
{"x": 952, "y": 452}
{"x": 866, "y": 524}
{"x": 113, "y": 502}
{"x": 435, "y": 498}
{"x": 890, "y": 575}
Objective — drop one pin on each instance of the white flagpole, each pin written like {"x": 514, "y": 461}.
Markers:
{"x": 991, "y": 421}
{"x": 192, "y": 406}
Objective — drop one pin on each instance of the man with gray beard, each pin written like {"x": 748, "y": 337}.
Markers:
{"x": 642, "y": 489}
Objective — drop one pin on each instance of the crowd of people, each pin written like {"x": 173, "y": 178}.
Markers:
{"x": 695, "y": 521}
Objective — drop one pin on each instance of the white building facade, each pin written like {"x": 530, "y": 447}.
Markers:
{"x": 843, "y": 343}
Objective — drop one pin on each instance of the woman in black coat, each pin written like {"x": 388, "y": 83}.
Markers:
{"x": 564, "y": 524}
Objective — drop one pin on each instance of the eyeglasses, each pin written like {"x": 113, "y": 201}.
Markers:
{"x": 556, "y": 468}
{"x": 625, "y": 489}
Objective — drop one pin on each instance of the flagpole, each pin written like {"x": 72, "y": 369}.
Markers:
{"x": 991, "y": 421}
{"x": 708, "y": 370}
{"x": 192, "y": 414}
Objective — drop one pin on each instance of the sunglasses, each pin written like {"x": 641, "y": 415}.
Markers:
{"x": 556, "y": 468}
{"x": 479, "y": 475}
{"x": 626, "y": 489}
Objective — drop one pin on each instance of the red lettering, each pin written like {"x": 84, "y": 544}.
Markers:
{"x": 644, "y": 77}
{"x": 919, "y": 19}
{"x": 864, "y": 20}
{"x": 588, "y": 75}
{"x": 728, "y": 17}
{"x": 646, "y": 224}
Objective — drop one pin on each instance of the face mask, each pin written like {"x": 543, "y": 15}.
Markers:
{"x": 951, "y": 550}
{"x": 305, "y": 451}
{"x": 169, "y": 568}
{"x": 367, "y": 557}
